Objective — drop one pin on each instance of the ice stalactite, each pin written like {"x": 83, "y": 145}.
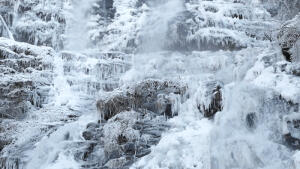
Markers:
{"x": 10, "y": 35}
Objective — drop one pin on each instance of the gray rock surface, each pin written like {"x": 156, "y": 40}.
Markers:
{"x": 122, "y": 139}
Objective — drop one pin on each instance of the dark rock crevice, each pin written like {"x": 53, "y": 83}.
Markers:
{"x": 213, "y": 91}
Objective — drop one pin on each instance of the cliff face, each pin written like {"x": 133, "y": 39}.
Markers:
{"x": 208, "y": 84}
{"x": 36, "y": 22}
{"x": 26, "y": 76}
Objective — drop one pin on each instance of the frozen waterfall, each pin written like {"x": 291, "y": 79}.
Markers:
{"x": 150, "y": 84}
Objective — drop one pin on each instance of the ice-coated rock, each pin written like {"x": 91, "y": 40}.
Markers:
{"x": 26, "y": 74}
{"x": 228, "y": 25}
{"x": 123, "y": 139}
{"x": 135, "y": 120}
{"x": 289, "y": 39}
{"x": 36, "y": 22}
{"x": 291, "y": 131}
{"x": 161, "y": 97}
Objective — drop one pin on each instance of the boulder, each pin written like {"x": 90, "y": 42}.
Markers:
{"x": 291, "y": 130}
{"x": 124, "y": 138}
{"x": 289, "y": 68}
{"x": 161, "y": 97}
{"x": 133, "y": 120}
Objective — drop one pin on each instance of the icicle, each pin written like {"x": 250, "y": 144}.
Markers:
{"x": 16, "y": 7}
{"x": 10, "y": 35}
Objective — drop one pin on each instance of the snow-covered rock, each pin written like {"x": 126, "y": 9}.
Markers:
{"x": 26, "y": 77}
{"x": 161, "y": 97}
{"x": 214, "y": 25}
{"x": 122, "y": 139}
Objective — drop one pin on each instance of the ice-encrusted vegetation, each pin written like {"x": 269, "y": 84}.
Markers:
{"x": 207, "y": 84}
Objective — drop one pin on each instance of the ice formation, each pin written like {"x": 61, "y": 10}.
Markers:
{"x": 152, "y": 84}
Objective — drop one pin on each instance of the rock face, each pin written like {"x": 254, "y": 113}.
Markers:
{"x": 291, "y": 130}
{"x": 35, "y": 22}
{"x": 25, "y": 77}
{"x": 157, "y": 96}
{"x": 135, "y": 120}
{"x": 200, "y": 27}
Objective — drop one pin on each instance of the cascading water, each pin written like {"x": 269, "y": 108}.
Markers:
{"x": 225, "y": 104}
{"x": 79, "y": 74}
{"x": 77, "y": 37}
{"x": 153, "y": 34}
